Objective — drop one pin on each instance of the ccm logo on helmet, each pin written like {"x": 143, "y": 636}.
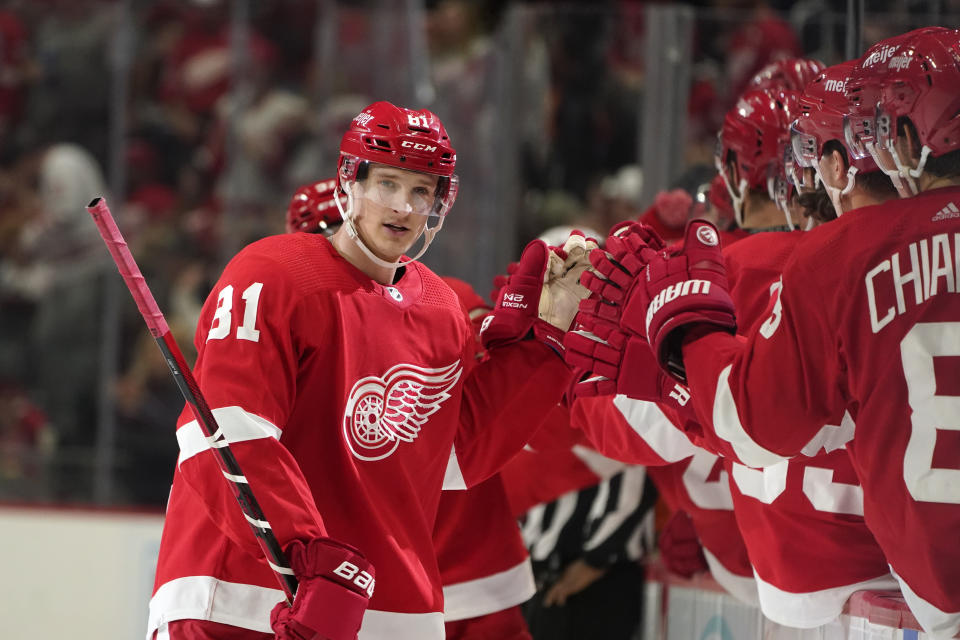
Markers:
{"x": 417, "y": 145}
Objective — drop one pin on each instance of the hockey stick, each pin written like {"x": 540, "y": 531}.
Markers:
{"x": 191, "y": 392}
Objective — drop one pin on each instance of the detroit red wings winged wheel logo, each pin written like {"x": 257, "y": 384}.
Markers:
{"x": 382, "y": 412}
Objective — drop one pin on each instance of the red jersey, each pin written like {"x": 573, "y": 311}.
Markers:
{"x": 700, "y": 486}
{"x": 348, "y": 404}
{"x": 558, "y": 459}
{"x": 484, "y": 564}
{"x": 867, "y": 321}
{"x": 814, "y": 499}
{"x": 690, "y": 479}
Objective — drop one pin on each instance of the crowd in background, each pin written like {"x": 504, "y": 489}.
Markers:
{"x": 224, "y": 109}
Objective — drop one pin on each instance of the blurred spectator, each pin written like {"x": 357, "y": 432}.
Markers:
{"x": 615, "y": 198}
{"x": 148, "y": 402}
{"x": 763, "y": 38}
{"x": 66, "y": 262}
{"x": 26, "y": 444}
{"x": 17, "y": 71}
{"x": 70, "y": 43}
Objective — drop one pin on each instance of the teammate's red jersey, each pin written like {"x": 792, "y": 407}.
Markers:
{"x": 690, "y": 479}
{"x": 344, "y": 402}
{"x": 483, "y": 562}
{"x": 814, "y": 499}
{"x": 867, "y": 321}
{"x": 700, "y": 486}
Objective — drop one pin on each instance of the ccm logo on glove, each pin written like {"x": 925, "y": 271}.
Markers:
{"x": 674, "y": 291}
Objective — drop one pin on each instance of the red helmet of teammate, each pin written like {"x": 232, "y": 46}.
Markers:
{"x": 788, "y": 74}
{"x": 921, "y": 84}
{"x": 863, "y": 94}
{"x": 822, "y": 110}
{"x": 752, "y": 145}
{"x": 313, "y": 209}
{"x": 820, "y": 115}
{"x": 414, "y": 140}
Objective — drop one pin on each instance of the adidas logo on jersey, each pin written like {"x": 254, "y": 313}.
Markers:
{"x": 949, "y": 211}
{"x": 674, "y": 291}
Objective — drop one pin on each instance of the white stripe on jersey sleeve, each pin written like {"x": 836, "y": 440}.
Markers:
{"x": 604, "y": 467}
{"x": 236, "y": 425}
{"x": 726, "y": 424}
{"x": 655, "y": 428}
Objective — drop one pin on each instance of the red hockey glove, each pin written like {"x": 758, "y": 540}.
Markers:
{"x": 541, "y": 296}
{"x": 336, "y": 582}
{"x": 669, "y": 289}
{"x": 620, "y": 363}
{"x": 500, "y": 280}
{"x": 680, "y": 548}
{"x": 616, "y": 268}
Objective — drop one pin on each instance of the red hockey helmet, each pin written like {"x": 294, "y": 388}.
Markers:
{"x": 820, "y": 117}
{"x": 862, "y": 89}
{"x": 313, "y": 208}
{"x": 788, "y": 74}
{"x": 414, "y": 140}
{"x": 755, "y": 137}
{"x": 921, "y": 84}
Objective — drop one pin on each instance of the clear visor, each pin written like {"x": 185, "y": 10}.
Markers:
{"x": 804, "y": 156}
{"x": 408, "y": 194}
{"x": 718, "y": 153}
{"x": 859, "y": 133}
{"x": 778, "y": 187}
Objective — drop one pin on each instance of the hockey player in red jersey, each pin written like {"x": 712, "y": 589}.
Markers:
{"x": 484, "y": 565}
{"x": 341, "y": 372}
{"x": 881, "y": 340}
{"x": 814, "y": 498}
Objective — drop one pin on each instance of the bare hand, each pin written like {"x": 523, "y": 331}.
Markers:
{"x": 576, "y": 577}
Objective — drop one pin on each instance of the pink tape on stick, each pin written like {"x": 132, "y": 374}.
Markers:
{"x": 127, "y": 267}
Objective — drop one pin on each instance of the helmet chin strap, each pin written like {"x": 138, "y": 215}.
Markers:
{"x": 736, "y": 200}
{"x": 893, "y": 174}
{"x": 905, "y": 171}
{"x": 347, "y": 215}
{"x": 781, "y": 203}
{"x": 836, "y": 193}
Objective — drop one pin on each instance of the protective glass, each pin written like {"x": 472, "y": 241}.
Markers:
{"x": 718, "y": 153}
{"x": 407, "y": 196}
{"x": 859, "y": 133}
{"x": 803, "y": 159}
